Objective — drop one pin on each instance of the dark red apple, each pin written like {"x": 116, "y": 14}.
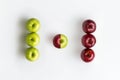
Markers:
{"x": 88, "y": 40}
{"x": 56, "y": 41}
{"x": 87, "y": 55}
{"x": 89, "y": 26}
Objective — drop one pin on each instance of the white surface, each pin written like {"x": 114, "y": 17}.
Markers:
{"x": 60, "y": 16}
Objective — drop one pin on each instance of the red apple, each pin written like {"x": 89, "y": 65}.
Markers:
{"x": 88, "y": 40}
{"x": 89, "y": 26}
{"x": 87, "y": 55}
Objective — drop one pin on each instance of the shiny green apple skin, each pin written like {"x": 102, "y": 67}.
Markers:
{"x": 33, "y": 25}
{"x": 64, "y": 41}
{"x": 32, "y": 39}
{"x": 32, "y": 54}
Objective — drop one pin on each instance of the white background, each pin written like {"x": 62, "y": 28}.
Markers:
{"x": 59, "y": 16}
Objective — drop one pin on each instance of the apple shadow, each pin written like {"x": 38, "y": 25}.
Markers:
{"x": 78, "y": 47}
{"x": 50, "y": 37}
{"x": 22, "y": 44}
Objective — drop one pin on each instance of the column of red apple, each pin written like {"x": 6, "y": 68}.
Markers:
{"x": 32, "y": 39}
{"x": 88, "y": 40}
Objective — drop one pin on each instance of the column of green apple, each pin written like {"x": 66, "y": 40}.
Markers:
{"x": 32, "y": 39}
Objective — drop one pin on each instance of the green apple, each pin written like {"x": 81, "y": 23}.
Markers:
{"x": 63, "y": 41}
{"x": 33, "y": 25}
{"x": 32, "y": 39}
{"x": 32, "y": 54}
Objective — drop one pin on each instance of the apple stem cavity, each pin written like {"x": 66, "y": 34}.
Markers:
{"x": 34, "y": 25}
{"x": 33, "y": 55}
{"x": 61, "y": 41}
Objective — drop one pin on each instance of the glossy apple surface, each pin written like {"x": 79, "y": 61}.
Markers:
{"x": 32, "y": 39}
{"x": 56, "y": 41}
{"x": 32, "y": 54}
{"x": 88, "y": 40}
{"x": 33, "y": 25}
{"x": 60, "y": 41}
{"x": 89, "y": 26}
{"x": 63, "y": 41}
{"x": 87, "y": 55}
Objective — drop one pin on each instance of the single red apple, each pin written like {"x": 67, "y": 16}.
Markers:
{"x": 89, "y": 26}
{"x": 87, "y": 55}
{"x": 88, "y": 40}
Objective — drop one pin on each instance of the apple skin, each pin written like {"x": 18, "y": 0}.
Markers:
{"x": 64, "y": 41}
{"x": 32, "y": 54}
{"x": 88, "y": 40}
{"x": 89, "y": 26}
{"x": 87, "y": 55}
{"x": 32, "y": 39}
{"x": 56, "y": 41}
{"x": 60, "y": 41}
{"x": 33, "y": 25}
